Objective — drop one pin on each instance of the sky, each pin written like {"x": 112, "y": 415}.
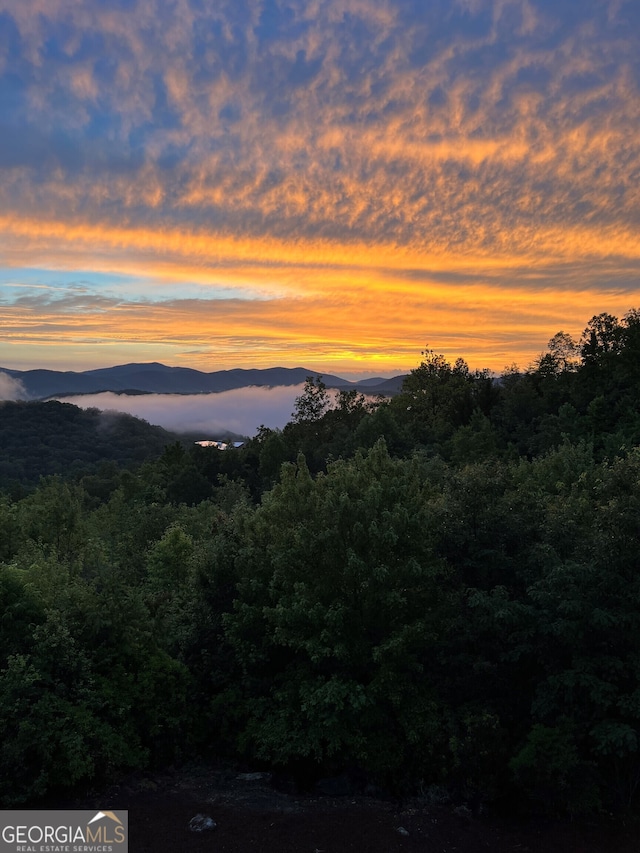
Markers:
{"x": 333, "y": 184}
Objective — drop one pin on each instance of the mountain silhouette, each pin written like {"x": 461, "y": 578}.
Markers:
{"x": 156, "y": 378}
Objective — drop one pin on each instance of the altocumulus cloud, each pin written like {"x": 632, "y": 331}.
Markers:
{"x": 240, "y": 411}
{"x": 453, "y": 123}
{"x": 299, "y": 146}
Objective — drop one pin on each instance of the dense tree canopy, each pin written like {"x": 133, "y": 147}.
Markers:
{"x": 440, "y": 589}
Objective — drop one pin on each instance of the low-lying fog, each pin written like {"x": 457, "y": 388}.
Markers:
{"x": 240, "y": 411}
{"x": 11, "y": 389}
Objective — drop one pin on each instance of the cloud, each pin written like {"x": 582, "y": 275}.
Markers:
{"x": 11, "y": 389}
{"x": 375, "y": 320}
{"x": 329, "y": 162}
{"x": 240, "y": 411}
{"x": 207, "y": 116}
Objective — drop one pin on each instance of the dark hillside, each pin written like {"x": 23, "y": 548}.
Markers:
{"x": 43, "y": 438}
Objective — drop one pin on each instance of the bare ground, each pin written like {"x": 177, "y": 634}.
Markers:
{"x": 251, "y": 815}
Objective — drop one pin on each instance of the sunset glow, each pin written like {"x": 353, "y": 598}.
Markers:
{"x": 325, "y": 183}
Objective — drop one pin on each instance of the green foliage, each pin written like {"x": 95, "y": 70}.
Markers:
{"x": 46, "y": 438}
{"x": 437, "y": 398}
{"x": 21, "y": 613}
{"x": 475, "y": 441}
{"x": 339, "y": 602}
{"x": 549, "y": 769}
{"x": 84, "y": 689}
{"x": 168, "y": 558}
{"x": 438, "y": 589}
{"x": 52, "y": 516}
{"x": 312, "y": 403}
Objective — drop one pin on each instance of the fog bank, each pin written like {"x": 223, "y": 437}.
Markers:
{"x": 11, "y": 389}
{"x": 240, "y": 411}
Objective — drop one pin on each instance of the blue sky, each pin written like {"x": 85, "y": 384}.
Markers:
{"x": 331, "y": 183}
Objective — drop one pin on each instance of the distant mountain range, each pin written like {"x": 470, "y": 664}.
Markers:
{"x": 155, "y": 378}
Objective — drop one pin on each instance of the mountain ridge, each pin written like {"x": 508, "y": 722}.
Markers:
{"x": 158, "y": 378}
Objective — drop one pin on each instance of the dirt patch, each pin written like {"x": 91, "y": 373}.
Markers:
{"x": 251, "y": 815}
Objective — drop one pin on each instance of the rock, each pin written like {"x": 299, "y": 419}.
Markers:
{"x": 402, "y": 831}
{"x": 201, "y": 823}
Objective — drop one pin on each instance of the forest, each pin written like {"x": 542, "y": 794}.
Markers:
{"x": 434, "y": 592}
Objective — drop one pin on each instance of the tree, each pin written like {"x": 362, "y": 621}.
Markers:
{"x": 339, "y": 605}
{"x": 601, "y": 339}
{"x": 53, "y": 516}
{"x": 561, "y": 356}
{"x": 312, "y": 403}
{"x": 563, "y": 350}
{"x": 437, "y": 397}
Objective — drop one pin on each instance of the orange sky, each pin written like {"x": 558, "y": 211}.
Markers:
{"x": 325, "y": 183}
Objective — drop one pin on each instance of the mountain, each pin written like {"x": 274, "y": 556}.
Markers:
{"x": 375, "y": 380}
{"x": 39, "y": 438}
{"x": 155, "y": 378}
{"x": 386, "y": 387}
